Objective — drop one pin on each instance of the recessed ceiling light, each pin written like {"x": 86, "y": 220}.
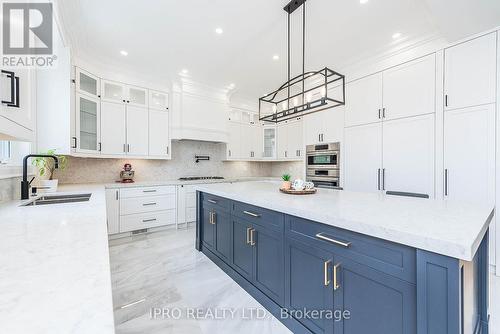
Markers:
{"x": 396, "y": 35}
{"x": 124, "y": 53}
{"x": 184, "y": 71}
{"x": 231, "y": 86}
{"x": 276, "y": 57}
{"x": 363, "y": 1}
{"x": 219, "y": 31}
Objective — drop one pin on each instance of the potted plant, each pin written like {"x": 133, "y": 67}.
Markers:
{"x": 46, "y": 170}
{"x": 287, "y": 184}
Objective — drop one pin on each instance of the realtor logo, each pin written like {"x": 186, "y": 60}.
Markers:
{"x": 27, "y": 29}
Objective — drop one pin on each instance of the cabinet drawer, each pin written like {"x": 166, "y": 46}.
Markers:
{"x": 147, "y": 220}
{"x": 147, "y": 204}
{"x": 388, "y": 257}
{"x": 216, "y": 201}
{"x": 147, "y": 191}
{"x": 261, "y": 216}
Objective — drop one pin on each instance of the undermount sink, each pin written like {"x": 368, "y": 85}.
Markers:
{"x": 59, "y": 199}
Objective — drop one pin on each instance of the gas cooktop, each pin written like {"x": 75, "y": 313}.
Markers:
{"x": 196, "y": 178}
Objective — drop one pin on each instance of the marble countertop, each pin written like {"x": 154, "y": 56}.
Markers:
{"x": 449, "y": 228}
{"x": 54, "y": 267}
{"x": 176, "y": 182}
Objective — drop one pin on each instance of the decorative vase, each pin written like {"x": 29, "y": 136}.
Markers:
{"x": 47, "y": 186}
{"x": 286, "y": 185}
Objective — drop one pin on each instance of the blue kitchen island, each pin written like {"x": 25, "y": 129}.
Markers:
{"x": 351, "y": 263}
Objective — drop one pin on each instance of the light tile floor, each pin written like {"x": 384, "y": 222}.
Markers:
{"x": 164, "y": 273}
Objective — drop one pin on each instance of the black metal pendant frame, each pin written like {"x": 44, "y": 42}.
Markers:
{"x": 324, "y": 78}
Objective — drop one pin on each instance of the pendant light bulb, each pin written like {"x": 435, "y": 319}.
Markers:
{"x": 323, "y": 92}
{"x": 295, "y": 102}
{"x": 275, "y": 108}
{"x": 309, "y": 98}
{"x": 284, "y": 106}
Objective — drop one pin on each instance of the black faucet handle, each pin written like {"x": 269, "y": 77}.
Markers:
{"x": 31, "y": 180}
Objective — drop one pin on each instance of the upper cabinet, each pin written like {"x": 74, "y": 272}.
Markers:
{"x": 364, "y": 100}
{"x": 158, "y": 100}
{"x": 113, "y": 119}
{"x": 113, "y": 91}
{"x": 269, "y": 142}
{"x": 470, "y": 73}
{"x": 410, "y": 89}
{"x": 290, "y": 141}
{"x": 87, "y": 83}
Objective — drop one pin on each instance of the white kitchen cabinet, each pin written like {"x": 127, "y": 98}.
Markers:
{"x": 469, "y": 154}
{"x": 313, "y": 127}
{"x": 410, "y": 89}
{"x": 137, "y": 131}
{"x": 408, "y": 155}
{"x": 87, "y": 83}
{"x": 363, "y": 100}
{"x": 256, "y": 141}
{"x": 112, "y": 91}
{"x": 113, "y": 125}
{"x": 290, "y": 143}
{"x": 470, "y": 73}
{"x": 234, "y": 148}
{"x": 17, "y": 91}
{"x": 158, "y": 100}
{"x": 246, "y": 142}
{"x": 269, "y": 142}
{"x": 363, "y": 158}
{"x": 137, "y": 96}
{"x": 88, "y": 124}
{"x": 186, "y": 204}
{"x": 113, "y": 210}
{"x": 159, "y": 137}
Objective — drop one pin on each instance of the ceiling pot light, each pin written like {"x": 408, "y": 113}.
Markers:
{"x": 396, "y": 35}
{"x": 124, "y": 53}
{"x": 184, "y": 71}
{"x": 276, "y": 57}
{"x": 295, "y": 90}
{"x": 219, "y": 31}
{"x": 363, "y": 1}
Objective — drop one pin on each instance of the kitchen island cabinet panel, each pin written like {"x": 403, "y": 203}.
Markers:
{"x": 242, "y": 250}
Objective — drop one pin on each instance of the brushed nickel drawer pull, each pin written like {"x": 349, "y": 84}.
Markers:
{"x": 251, "y": 214}
{"x": 147, "y": 204}
{"x": 325, "y": 269}
{"x": 337, "y": 242}
{"x": 336, "y": 284}
{"x": 149, "y": 191}
{"x": 212, "y": 201}
{"x": 248, "y": 235}
{"x": 252, "y": 240}
{"x": 149, "y": 220}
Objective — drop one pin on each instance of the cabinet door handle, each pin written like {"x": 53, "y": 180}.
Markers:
{"x": 252, "y": 240}
{"x": 149, "y": 191}
{"x": 213, "y": 216}
{"x": 383, "y": 178}
{"x": 212, "y": 201}
{"x": 75, "y": 141}
{"x": 446, "y": 100}
{"x": 248, "y": 235}
{"x": 168, "y": 150}
{"x": 446, "y": 182}
{"x": 229, "y": 152}
{"x": 379, "y": 113}
{"x": 149, "y": 220}
{"x": 383, "y": 112}
{"x": 117, "y": 195}
{"x": 256, "y": 215}
{"x": 336, "y": 284}
{"x": 128, "y": 148}
{"x": 100, "y": 147}
{"x": 333, "y": 241}
{"x": 148, "y": 204}
{"x": 378, "y": 179}
{"x": 125, "y": 148}
{"x": 14, "y": 90}
{"x": 325, "y": 270}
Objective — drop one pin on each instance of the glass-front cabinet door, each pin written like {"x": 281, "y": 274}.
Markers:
{"x": 158, "y": 100}
{"x": 87, "y": 83}
{"x": 88, "y": 124}
{"x": 137, "y": 96}
{"x": 269, "y": 142}
{"x": 113, "y": 91}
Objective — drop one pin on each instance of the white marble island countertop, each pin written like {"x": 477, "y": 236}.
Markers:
{"x": 449, "y": 228}
{"x": 54, "y": 267}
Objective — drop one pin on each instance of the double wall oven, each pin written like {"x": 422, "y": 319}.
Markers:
{"x": 323, "y": 165}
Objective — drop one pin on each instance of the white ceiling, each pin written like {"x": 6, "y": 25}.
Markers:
{"x": 164, "y": 36}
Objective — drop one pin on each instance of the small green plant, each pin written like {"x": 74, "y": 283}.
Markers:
{"x": 286, "y": 177}
{"x": 46, "y": 166}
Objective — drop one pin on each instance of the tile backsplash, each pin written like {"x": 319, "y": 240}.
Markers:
{"x": 10, "y": 189}
{"x": 96, "y": 170}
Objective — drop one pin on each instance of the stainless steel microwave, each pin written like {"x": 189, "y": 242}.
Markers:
{"x": 323, "y": 155}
